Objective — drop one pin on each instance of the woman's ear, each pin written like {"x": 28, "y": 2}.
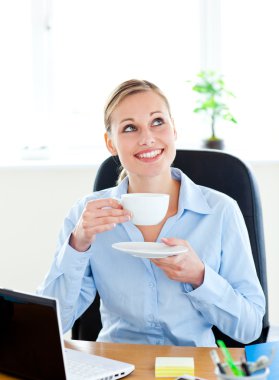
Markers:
{"x": 109, "y": 144}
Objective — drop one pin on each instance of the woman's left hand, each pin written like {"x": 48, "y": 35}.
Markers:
{"x": 186, "y": 267}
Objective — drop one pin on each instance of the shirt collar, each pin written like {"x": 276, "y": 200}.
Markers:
{"x": 121, "y": 188}
{"x": 191, "y": 196}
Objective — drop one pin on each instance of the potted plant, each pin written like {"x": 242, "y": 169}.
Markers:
{"x": 211, "y": 88}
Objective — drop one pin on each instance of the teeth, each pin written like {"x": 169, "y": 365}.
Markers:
{"x": 154, "y": 153}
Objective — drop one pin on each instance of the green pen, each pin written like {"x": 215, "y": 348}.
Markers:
{"x": 235, "y": 370}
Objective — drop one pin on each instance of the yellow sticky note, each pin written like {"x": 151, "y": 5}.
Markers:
{"x": 173, "y": 366}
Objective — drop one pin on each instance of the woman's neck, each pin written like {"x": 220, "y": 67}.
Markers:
{"x": 155, "y": 184}
{"x": 161, "y": 184}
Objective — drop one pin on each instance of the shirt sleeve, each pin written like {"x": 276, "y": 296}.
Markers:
{"x": 70, "y": 278}
{"x": 232, "y": 299}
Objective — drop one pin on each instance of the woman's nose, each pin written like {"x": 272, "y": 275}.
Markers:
{"x": 147, "y": 138}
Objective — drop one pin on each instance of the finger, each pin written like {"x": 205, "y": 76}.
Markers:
{"x": 172, "y": 262}
{"x": 171, "y": 273}
{"x": 113, "y": 219}
{"x": 174, "y": 241}
{"x": 162, "y": 263}
{"x": 95, "y": 222}
{"x": 89, "y": 234}
{"x": 104, "y": 202}
{"x": 168, "y": 260}
{"x": 111, "y": 212}
{"x": 101, "y": 228}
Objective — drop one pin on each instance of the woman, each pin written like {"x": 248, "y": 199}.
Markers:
{"x": 174, "y": 300}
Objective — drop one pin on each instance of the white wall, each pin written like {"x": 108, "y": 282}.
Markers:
{"x": 33, "y": 204}
{"x": 34, "y": 201}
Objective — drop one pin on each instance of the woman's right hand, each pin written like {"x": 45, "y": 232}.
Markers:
{"x": 98, "y": 216}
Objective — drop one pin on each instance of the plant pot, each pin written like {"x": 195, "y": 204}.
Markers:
{"x": 214, "y": 144}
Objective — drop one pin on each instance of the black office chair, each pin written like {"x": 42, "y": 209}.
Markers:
{"x": 220, "y": 171}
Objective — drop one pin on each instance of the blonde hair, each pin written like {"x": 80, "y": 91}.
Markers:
{"x": 127, "y": 88}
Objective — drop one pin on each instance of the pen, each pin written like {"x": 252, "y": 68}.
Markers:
{"x": 216, "y": 360}
{"x": 245, "y": 367}
{"x": 235, "y": 370}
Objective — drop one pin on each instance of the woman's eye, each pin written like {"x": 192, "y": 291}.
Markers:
{"x": 157, "y": 121}
{"x": 129, "y": 128}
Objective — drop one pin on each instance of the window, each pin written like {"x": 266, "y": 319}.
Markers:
{"x": 97, "y": 45}
{"x": 83, "y": 49}
{"x": 61, "y": 59}
{"x": 16, "y": 77}
{"x": 249, "y": 38}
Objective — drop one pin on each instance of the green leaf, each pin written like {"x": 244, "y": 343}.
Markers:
{"x": 211, "y": 89}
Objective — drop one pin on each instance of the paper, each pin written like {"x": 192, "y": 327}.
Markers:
{"x": 173, "y": 366}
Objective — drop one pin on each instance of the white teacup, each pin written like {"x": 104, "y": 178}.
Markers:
{"x": 147, "y": 208}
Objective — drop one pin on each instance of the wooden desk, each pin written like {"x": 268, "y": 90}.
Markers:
{"x": 143, "y": 357}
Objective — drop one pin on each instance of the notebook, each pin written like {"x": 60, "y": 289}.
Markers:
{"x": 31, "y": 343}
{"x": 173, "y": 366}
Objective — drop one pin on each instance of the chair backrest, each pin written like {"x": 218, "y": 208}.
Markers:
{"x": 220, "y": 171}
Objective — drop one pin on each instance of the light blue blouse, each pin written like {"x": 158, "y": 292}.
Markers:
{"x": 139, "y": 303}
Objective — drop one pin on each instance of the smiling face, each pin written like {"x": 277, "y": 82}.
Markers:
{"x": 143, "y": 135}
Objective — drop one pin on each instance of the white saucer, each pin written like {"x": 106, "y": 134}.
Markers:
{"x": 149, "y": 250}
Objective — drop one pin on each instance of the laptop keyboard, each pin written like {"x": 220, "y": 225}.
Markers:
{"x": 85, "y": 371}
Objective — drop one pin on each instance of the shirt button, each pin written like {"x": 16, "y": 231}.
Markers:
{"x": 151, "y": 285}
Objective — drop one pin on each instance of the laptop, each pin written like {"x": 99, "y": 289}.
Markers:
{"x": 31, "y": 343}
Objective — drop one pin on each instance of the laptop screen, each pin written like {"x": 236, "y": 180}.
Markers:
{"x": 30, "y": 345}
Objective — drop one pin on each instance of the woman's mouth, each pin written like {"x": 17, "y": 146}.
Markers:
{"x": 150, "y": 154}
